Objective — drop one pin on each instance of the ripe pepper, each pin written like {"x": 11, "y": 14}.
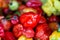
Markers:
{"x": 29, "y": 19}
{"x": 13, "y": 5}
{"x": 9, "y": 36}
{"x": 55, "y": 35}
{"x": 17, "y": 30}
{"x": 29, "y": 33}
{"x": 43, "y": 32}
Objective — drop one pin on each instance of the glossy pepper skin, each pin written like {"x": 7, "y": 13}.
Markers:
{"x": 43, "y": 32}
{"x": 55, "y": 35}
{"x": 29, "y": 19}
{"x": 18, "y": 30}
{"x": 29, "y": 33}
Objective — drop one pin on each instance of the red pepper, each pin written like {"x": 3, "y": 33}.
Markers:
{"x": 18, "y": 30}
{"x": 29, "y": 33}
{"x": 9, "y": 36}
{"x": 43, "y": 32}
{"x": 29, "y": 19}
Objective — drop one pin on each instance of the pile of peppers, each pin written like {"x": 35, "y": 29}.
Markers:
{"x": 29, "y": 19}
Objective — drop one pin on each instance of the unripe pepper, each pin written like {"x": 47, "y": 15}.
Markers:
{"x": 55, "y": 35}
{"x": 13, "y": 5}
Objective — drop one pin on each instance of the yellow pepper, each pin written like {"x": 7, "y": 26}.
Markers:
{"x": 24, "y": 38}
{"x": 49, "y": 8}
{"x": 55, "y": 35}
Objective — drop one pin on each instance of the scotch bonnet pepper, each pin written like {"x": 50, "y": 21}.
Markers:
{"x": 43, "y": 32}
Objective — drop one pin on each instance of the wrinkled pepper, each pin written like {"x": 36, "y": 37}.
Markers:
{"x": 55, "y": 35}
{"x": 43, "y": 32}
